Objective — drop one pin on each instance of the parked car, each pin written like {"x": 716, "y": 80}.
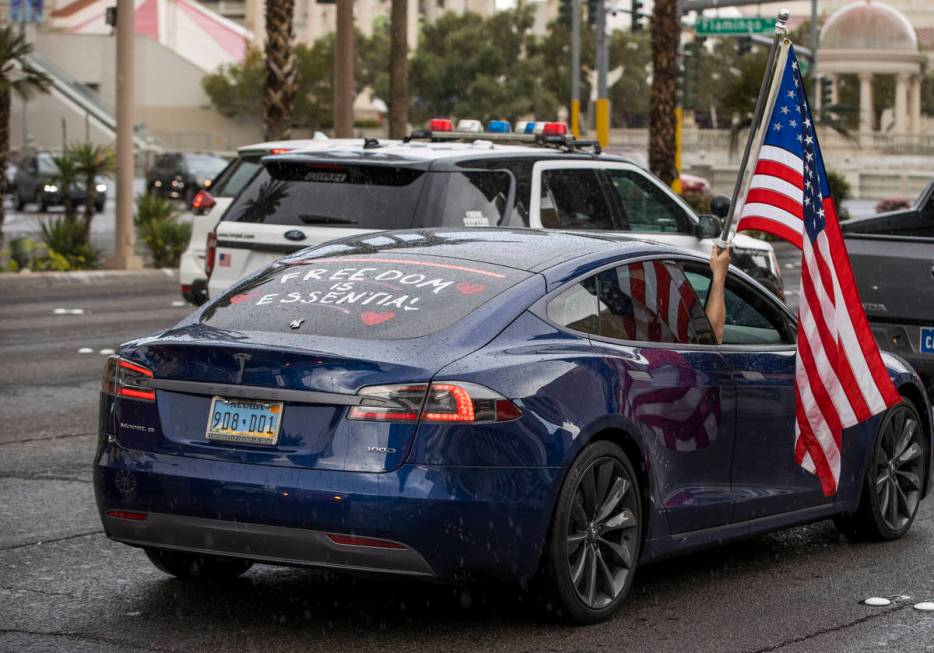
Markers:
{"x": 449, "y": 404}
{"x": 36, "y": 182}
{"x": 209, "y": 205}
{"x": 454, "y": 179}
{"x": 180, "y": 175}
{"x": 893, "y": 263}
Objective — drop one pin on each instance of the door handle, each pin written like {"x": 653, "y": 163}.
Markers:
{"x": 752, "y": 375}
{"x": 639, "y": 375}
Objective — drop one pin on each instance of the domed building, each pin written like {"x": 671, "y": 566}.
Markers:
{"x": 869, "y": 38}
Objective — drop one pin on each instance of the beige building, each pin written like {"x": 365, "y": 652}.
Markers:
{"x": 315, "y": 19}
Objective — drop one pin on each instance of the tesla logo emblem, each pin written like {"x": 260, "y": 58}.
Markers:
{"x": 294, "y": 324}
{"x": 242, "y": 359}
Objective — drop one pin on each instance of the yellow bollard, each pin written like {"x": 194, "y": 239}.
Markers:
{"x": 576, "y": 118}
{"x": 603, "y": 122}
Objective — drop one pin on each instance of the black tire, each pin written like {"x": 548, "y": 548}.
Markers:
{"x": 894, "y": 478}
{"x": 99, "y": 207}
{"x": 20, "y": 203}
{"x": 191, "y": 566}
{"x": 595, "y": 537}
{"x": 41, "y": 206}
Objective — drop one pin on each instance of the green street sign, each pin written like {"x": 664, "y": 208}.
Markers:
{"x": 710, "y": 26}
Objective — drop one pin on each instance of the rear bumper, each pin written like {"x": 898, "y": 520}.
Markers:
{"x": 262, "y": 543}
{"x": 453, "y": 522}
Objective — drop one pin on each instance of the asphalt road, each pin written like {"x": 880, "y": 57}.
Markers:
{"x": 65, "y": 587}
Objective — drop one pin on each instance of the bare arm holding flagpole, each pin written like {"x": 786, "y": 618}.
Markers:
{"x": 780, "y": 31}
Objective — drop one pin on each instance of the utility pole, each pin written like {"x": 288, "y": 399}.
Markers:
{"x": 603, "y": 103}
{"x": 124, "y": 257}
{"x": 343, "y": 71}
{"x": 576, "y": 68}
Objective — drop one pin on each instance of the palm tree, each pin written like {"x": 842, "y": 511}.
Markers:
{"x": 398, "y": 69}
{"x": 665, "y": 35}
{"x": 91, "y": 162}
{"x": 66, "y": 179}
{"x": 279, "y": 84}
{"x": 16, "y": 76}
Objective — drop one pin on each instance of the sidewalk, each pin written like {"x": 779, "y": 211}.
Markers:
{"x": 22, "y": 282}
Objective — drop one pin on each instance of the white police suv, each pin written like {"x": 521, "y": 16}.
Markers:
{"x": 469, "y": 177}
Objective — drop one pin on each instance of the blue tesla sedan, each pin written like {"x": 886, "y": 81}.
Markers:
{"x": 530, "y": 406}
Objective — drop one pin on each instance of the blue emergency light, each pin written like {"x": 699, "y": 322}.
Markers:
{"x": 498, "y": 127}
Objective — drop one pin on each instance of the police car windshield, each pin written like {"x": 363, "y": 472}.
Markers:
{"x": 373, "y": 197}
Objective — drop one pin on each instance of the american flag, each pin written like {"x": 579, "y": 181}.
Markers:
{"x": 663, "y": 303}
{"x": 223, "y": 260}
{"x": 839, "y": 374}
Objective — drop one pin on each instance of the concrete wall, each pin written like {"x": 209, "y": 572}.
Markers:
{"x": 171, "y": 104}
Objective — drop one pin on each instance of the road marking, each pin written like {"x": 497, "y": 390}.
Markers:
{"x": 178, "y": 303}
{"x": 925, "y": 606}
{"x": 877, "y": 602}
{"x": 106, "y": 352}
{"x": 85, "y": 350}
{"x": 68, "y": 311}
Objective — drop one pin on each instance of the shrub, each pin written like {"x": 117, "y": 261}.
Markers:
{"x": 892, "y": 204}
{"x": 158, "y": 227}
{"x": 66, "y": 247}
{"x": 840, "y": 190}
{"x": 700, "y": 202}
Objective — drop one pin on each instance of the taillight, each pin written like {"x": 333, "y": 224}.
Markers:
{"x": 210, "y": 252}
{"x": 123, "y": 378}
{"x": 202, "y": 202}
{"x": 442, "y": 401}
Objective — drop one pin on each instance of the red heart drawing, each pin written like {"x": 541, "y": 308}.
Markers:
{"x": 466, "y": 288}
{"x": 371, "y": 318}
{"x": 239, "y": 299}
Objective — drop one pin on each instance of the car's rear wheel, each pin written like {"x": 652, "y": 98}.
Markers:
{"x": 41, "y": 206}
{"x": 19, "y": 201}
{"x": 595, "y": 536}
{"x": 196, "y": 566}
{"x": 894, "y": 479}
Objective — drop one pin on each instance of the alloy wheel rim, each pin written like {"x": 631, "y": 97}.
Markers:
{"x": 899, "y": 468}
{"x": 602, "y": 534}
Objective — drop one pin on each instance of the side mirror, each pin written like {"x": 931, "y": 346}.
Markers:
{"x": 720, "y": 206}
{"x": 708, "y": 226}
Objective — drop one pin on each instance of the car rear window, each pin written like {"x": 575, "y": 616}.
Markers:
{"x": 383, "y": 297}
{"x": 372, "y": 197}
{"x": 235, "y": 176}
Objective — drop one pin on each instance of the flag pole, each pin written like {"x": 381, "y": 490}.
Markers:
{"x": 780, "y": 31}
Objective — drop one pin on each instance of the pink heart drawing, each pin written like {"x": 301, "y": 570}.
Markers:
{"x": 371, "y": 318}
{"x": 466, "y": 288}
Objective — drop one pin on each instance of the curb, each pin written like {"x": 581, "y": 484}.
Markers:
{"x": 37, "y": 280}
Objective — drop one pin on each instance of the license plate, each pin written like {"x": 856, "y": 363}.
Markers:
{"x": 244, "y": 420}
{"x": 927, "y": 340}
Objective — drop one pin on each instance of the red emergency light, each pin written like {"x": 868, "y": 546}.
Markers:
{"x": 441, "y": 125}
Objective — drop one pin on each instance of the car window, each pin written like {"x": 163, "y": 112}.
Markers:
{"x": 576, "y": 307}
{"x": 650, "y": 301}
{"x": 476, "y": 198}
{"x": 204, "y": 165}
{"x": 574, "y": 199}
{"x": 521, "y": 170}
{"x": 235, "y": 176}
{"x": 751, "y": 317}
{"x": 360, "y": 296}
{"x": 644, "y": 206}
{"x": 46, "y": 164}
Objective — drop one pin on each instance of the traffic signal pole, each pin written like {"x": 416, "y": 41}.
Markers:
{"x": 603, "y": 103}
{"x": 576, "y": 68}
